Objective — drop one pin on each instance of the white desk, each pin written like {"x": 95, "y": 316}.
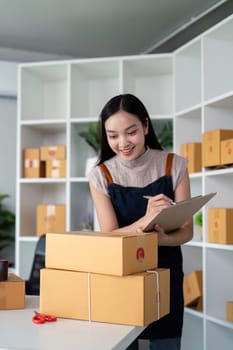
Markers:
{"x": 17, "y": 332}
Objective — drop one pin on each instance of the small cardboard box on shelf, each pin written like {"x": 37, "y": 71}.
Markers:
{"x": 229, "y": 311}
{"x": 211, "y": 146}
{"x": 50, "y": 218}
{"x": 137, "y": 299}
{"x": 12, "y": 293}
{"x": 192, "y": 288}
{"x": 53, "y": 152}
{"x": 227, "y": 152}
{"x": 108, "y": 253}
{"x": 56, "y": 168}
{"x": 192, "y": 152}
{"x": 32, "y": 166}
{"x": 220, "y": 223}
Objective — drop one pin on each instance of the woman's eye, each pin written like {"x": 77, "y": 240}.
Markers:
{"x": 132, "y": 132}
{"x": 112, "y": 136}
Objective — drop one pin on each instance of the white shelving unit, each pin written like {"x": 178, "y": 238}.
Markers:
{"x": 204, "y": 102}
{"x": 192, "y": 86}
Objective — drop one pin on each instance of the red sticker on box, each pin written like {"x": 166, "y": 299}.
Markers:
{"x": 140, "y": 254}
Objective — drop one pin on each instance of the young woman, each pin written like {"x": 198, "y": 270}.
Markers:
{"x": 131, "y": 165}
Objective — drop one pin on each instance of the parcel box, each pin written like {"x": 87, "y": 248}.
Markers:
{"x": 211, "y": 146}
{"x": 33, "y": 167}
{"x": 220, "y": 224}
{"x": 53, "y": 152}
{"x": 136, "y": 300}
{"x": 227, "y": 152}
{"x": 12, "y": 292}
{"x": 229, "y": 311}
{"x": 192, "y": 287}
{"x": 55, "y": 168}
{"x": 108, "y": 253}
{"x": 192, "y": 152}
{"x": 50, "y": 218}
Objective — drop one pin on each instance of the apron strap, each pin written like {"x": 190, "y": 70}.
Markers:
{"x": 106, "y": 172}
{"x": 168, "y": 171}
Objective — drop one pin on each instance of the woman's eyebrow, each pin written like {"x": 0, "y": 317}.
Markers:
{"x": 126, "y": 129}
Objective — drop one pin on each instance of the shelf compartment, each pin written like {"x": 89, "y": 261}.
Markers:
{"x": 219, "y": 284}
{"x": 218, "y": 58}
{"x": 187, "y": 62}
{"x": 93, "y": 83}
{"x": 150, "y": 79}
{"x": 218, "y": 336}
{"x": 33, "y": 194}
{"x": 44, "y": 92}
{"x": 192, "y": 337}
{"x": 81, "y": 206}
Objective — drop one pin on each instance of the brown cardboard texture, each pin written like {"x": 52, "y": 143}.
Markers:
{"x": 229, "y": 311}
{"x": 107, "y": 253}
{"x": 227, "y": 152}
{"x": 192, "y": 152}
{"x": 211, "y": 146}
{"x": 131, "y": 300}
{"x": 53, "y": 152}
{"x": 220, "y": 223}
{"x": 56, "y": 168}
{"x": 50, "y": 218}
{"x": 12, "y": 293}
{"x": 192, "y": 287}
{"x": 33, "y": 167}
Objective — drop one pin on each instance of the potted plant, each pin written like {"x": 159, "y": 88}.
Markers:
{"x": 198, "y": 222}
{"x": 92, "y": 138}
{"x": 165, "y": 136}
{"x": 7, "y": 221}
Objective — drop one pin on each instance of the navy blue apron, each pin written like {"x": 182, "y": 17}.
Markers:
{"x": 129, "y": 206}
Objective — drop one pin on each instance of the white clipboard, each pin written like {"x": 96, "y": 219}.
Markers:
{"x": 174, "y": 216}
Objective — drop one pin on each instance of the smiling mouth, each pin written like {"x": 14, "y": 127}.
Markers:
{"x": 127, "y": 150}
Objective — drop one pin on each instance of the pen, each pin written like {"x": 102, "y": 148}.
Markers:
{"x": 148, "y": 197}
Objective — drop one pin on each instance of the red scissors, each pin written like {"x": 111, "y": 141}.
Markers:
{"x": 40, "y": 318}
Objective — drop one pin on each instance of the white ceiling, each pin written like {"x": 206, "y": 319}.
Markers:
{"x": 94, "y": 28}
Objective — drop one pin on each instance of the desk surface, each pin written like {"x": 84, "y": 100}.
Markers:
{"x": 17, "y": 332}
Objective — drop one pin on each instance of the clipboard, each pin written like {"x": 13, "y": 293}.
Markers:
{"x": 174, "y": 216}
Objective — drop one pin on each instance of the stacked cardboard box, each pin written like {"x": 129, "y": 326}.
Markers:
{"x": 192, "y": 288}
{"x": 192, "y": 152}
{"x": 220, "y": 223}
{"x": 46, "y": 161}
{"x": 104, "y": 277}
{"x": 12, "y": 293}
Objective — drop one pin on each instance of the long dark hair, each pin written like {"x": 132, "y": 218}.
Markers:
{"x": 131, "y": 104}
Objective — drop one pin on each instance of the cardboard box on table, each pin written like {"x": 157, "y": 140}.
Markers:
{"x": 192, "y": 288}
{"x": 50, "y": 218}
{"x": 137, "y": 299}
{"x": 105, "y": 253}
{"x": 220, "y": 223}
{"x": 211, "y": 146}
{"x": 12, "y": 293}
{"x": 192, "y": 152}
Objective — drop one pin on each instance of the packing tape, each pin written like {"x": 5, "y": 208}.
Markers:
{"x": 157, "y": 291}
{"x": 3, "y": 270}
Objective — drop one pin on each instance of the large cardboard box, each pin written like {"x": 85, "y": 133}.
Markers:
{"x": 107, "y": 253}
{"x": 56, "y": 168}
{"x": 192, "y": 287}
{"x": 220, "y": 223}
{"x": 192, "y": 152}
{"x": 50, "y": 218}
{"x": 32, "y": 166}
{"x": 229, "y": 311}
{"x": 53, "y": 152}
{"x": 136, "y": 300}
{"x": 12, "y": 293}
{"x": 227, "y": 152}
{"x": 211, "y": 146}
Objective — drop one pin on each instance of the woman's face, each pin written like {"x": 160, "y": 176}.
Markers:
{"x": 126, "y": 135}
